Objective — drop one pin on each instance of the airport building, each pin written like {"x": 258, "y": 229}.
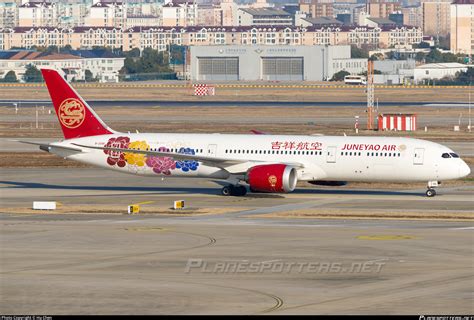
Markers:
{"x": 103, "y": 65}
{"x": 438, "y": 71}
{"x": 272, "y": 63}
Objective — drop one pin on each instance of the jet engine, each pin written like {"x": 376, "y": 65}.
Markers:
{"x": 272, "y": 178}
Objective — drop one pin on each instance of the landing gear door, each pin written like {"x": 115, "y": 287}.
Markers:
{"x": 211, "y": 150}
{"x": 418, "y": 156}
{"x": 331, "y": 155}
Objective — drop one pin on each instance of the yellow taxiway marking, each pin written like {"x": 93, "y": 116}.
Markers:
{"x": 140, "y": 203}
{"x": 386, "y": 237}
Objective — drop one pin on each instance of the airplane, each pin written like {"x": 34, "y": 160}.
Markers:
{"x": 260, "y": 162}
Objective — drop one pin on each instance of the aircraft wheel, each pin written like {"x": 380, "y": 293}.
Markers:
{"x": 240, "y": 191}
{"x": 430, "y": 193}
{"x": 227, "y": 190}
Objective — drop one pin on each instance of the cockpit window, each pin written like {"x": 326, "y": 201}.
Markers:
{"x": 445, "y": 155}
{"x": 454, "y": 155}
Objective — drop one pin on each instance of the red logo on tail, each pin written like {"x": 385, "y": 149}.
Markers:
{"x": 71, "y": 113}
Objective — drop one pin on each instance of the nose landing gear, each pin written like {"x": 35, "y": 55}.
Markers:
{"x": 231, "y": 190}
{"x": 431, "y": 192}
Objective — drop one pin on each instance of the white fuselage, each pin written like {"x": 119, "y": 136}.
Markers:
{"x": 329, "y": 158}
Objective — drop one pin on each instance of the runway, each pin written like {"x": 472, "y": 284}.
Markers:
{"x": 242, "y": 104}
{"x": 239, "y": 262}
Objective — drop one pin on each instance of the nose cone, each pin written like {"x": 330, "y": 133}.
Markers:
{"x": 464, "y": 170}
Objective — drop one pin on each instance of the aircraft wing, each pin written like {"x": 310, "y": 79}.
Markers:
{"x": 230, "y": 165}
{"x": 54, "y": 148}
{"x": 50, "y": 146}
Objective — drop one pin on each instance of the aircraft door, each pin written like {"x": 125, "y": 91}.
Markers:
{"x": 211, "y": 150}
{"x": 418, "y": 156}
{"x": 331, "y": 154}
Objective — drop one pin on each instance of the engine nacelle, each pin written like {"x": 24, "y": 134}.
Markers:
{"x": 272, "y": 178}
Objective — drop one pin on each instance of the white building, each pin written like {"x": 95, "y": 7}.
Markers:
{"x": 264, "y": 17}
{"x": 107, "y": 14}
{"x": 271, "y": 62}
{"x": 179, "y": 13}
{"x": 38, "y": 14}
{"x": 437, "y": 71}
{"x": 8, "y": 14}
{"x": 103, "y": 67}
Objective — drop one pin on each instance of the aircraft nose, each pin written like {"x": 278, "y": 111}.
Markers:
{"x": 464, "y": 170}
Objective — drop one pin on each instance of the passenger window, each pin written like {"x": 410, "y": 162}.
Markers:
{"x": 454, "y": 155}
{"x": 445, "y": 155}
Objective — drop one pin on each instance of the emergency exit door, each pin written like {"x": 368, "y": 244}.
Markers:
{"x": 418, "y": 156}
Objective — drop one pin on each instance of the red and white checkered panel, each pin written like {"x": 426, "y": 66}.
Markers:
{"x": 398, "y": 122}
{"x": 200, "y": 90}
{"x": 203, "y": 90}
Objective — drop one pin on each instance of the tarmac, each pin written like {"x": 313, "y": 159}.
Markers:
{"x": 240, "y": 262}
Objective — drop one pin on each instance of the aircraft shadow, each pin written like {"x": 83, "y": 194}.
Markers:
{"x": 201, "y": 190}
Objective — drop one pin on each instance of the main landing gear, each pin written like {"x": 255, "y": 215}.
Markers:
{"x": 231, "y": 190}
{"x": 431, "y": 192}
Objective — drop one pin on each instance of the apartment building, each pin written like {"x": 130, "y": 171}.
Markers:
{"x": 179, "y": 13}
{"x": 382, "y": 8}
{"x": 160, "y": 37}
{"x": 38, "y": 14}
{"x": 436, "y": 17}
{"x": 107, "y": 13}
{"x": 462, "y": 27}
{"x": 317, "y": 8}
{"x": 8, "y": 14}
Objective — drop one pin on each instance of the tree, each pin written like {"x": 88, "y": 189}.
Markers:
{"x": 89, "y": 76}
{"x": 358, "y": 53}
{"x": 52, "y": 49}
{"x": 376, "y": 57}
{"x": 134, "y": 53}
{"x": 422, "y": 45}
{"x": 66, "y": 49}
{"x": 339, "y": 76}
{"x": 375, "y": 72}
{"x": 434, "y": 56}
{"x": 151, "y": 61}
{"x": 32, "y": 74}
{"x": 420, "y": 56}
{"x": 10, "y": 77}
{"x": 466, "y": 77}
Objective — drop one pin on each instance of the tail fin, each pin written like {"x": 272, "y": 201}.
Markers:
{"x": 76, "y": 117}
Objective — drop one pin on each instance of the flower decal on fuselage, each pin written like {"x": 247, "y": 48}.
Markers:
{"x": 187, "y": 165}
{"x": 138, "y": 163}
{"x": 136, "y": 159}
{"x": 161, "y": 165}
{"x": 117, "y": 157}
